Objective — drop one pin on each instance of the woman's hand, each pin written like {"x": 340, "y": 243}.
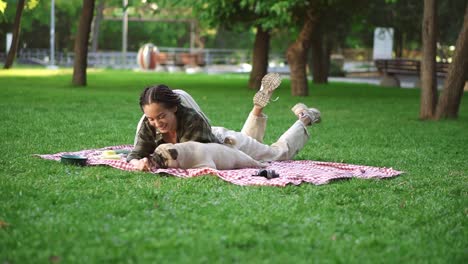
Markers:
{"x": 141, "y": 165}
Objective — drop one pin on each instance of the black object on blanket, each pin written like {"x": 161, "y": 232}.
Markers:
{"x": 269, "y": 174}
{"x": 73, "y": 160}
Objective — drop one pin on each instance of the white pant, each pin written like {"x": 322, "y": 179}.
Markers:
{"x": 250, "y": 139}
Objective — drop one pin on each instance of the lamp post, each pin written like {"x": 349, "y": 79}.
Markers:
{"x": 124, "y": 32}
{"x": 52, "y": 36}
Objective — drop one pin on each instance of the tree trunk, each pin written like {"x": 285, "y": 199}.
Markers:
{"x": 398, "y": 43}
{"x": 327, "y": 58}
{"x": 320, "y": 58}
{"x": 96, "y": 25}
{"x": 428, "y": 63}
{"x": 450, "y": 99}
{"x": 259, "y": 58}
{"x": 297, "y": 54}
{"x": 16, "y": 31}
{"x": 81, "y": 44}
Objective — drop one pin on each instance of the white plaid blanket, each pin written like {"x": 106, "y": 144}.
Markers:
{"x": 290, "y": 172}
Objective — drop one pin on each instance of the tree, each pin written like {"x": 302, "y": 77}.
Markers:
{"x": 96, "y": 25}
{"x": 16, "y": 31}
{"x": 249, "y": 13}
{"x": 321, "y": 51}
{"x": 35, "y": 23}
{"x": 331, "y": 33}
{"x": 35, "y": 26}
{"x": 3, "y": 6}
{"x": 81, "y": 43}
{"x": 268, "y": 15}
{"x": 449, "y": 101}
{"x": 403, "y": 16}
{"x": 259, "y": 57}
{"x": 428, "y": 63}
{"x": 297, "y": 52}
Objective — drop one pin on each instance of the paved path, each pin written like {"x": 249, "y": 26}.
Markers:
{"x": 405, "y": 81}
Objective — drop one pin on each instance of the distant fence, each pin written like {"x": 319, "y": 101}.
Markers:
{"x": 168, "y": 56}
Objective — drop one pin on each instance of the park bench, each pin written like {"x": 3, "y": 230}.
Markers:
{"x": 407, "y": 66}
{"x": 190, "y": 59}
{"x": 149, "y": 57}
{"x": 179, "y": 59}
{"x": 390, "y": 68}
{"x": 161, "y": 58}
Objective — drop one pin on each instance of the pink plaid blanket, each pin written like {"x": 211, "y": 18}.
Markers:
{"x": 290, "y": 172}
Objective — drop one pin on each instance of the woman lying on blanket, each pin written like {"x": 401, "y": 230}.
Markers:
{"x": 172, "y": 116}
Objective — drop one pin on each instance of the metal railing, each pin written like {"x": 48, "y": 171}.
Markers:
{"x": 114, "y": 59}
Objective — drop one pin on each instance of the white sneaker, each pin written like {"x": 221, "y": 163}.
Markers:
{"x": 270, "y": 82}
{"x": 308, "y": 116}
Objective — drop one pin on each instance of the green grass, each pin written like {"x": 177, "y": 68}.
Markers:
{"x": 55, "y": 213}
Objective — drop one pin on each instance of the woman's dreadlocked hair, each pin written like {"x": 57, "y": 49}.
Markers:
{"x": 160, "y": 94}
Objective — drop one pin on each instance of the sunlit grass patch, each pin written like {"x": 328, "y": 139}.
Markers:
{"x": 40, "y": 72}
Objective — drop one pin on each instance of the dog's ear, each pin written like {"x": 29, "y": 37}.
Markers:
{"x": 174, "y": 154}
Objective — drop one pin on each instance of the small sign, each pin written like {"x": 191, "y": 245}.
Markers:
{"x": 9, "y": 39}
{"x": 383, "y": 43}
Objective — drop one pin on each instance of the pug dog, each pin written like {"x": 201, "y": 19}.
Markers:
{"x": 190, "y": 155}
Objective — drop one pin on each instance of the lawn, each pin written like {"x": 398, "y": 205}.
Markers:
{"x": 54, "y": 213}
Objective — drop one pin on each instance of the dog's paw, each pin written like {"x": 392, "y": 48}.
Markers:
{"x": 229, "y": 141}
